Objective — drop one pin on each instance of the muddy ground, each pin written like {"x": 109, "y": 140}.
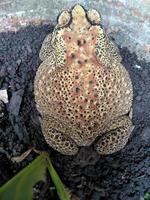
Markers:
{"x": 124, "y": 175}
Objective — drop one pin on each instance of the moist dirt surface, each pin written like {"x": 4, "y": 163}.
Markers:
{"x": 124, "y": 175}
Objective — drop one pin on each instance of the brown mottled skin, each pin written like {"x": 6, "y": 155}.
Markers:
{"x": 81, "y": 88}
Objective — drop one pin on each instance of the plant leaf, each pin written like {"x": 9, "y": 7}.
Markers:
{"x": 147, "y": 196}
{"x": 62, "y": 191}
{"x": 20, "y": 186}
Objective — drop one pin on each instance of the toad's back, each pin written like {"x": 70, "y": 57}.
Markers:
{"x": 84, "y": 94}
{"x": 81, "y": 88}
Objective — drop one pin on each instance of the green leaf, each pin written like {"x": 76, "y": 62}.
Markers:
{"x": 20, "y": 186}
{"x": 147, "y": 196}
{"x": 62, "y": 192}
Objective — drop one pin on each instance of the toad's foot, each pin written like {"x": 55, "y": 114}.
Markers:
{"x": 116, "y": 137}
{"x": 57, "y": 139}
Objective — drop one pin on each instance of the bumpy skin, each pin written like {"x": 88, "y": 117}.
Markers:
{"x": 81, "y": 88}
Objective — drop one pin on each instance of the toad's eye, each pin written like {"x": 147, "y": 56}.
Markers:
{"x": 94, "y": 17}
{"x": 64, "y": 18}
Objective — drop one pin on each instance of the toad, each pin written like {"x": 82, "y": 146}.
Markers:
{"x": 82, "y": 90}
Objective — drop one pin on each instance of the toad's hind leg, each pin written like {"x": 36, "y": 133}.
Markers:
{"x": 116, "y": 136}
{"x": 58, "y": 140}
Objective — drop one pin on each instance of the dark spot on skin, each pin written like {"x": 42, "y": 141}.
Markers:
{"x": 79, "y": 62}
{"x": 69, "y": 38}
{"x": 89, "y": 128}
{"x": 90, "y": 82}
{"x": 84, "y": 41}
{"x": 71, "y": 145}
{"x": 79, "y": 42}
{"x": 92, "y": 38}
{"x": 56, "y": 137}
{"x": 77, "y": 90}
{"x": 85, "y": 60}
{"x": 76, "y": 77}
{"x": 80, "y": 107}
{"x": 95, "y": 124}
{"x": 94, "y": 114}
{"x": 104, "y": 114}
{"x": 67, "y": 144}
{"x": 78, "y": 125}
{"x": 91, "y": 101}
{"x": 72, "y": 55}
{"x": 85, "y": 100}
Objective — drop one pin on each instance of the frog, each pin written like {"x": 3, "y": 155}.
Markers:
{"x": 82, "y": 91}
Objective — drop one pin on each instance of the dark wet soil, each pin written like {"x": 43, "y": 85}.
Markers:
{"x": 124, "y": 175}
